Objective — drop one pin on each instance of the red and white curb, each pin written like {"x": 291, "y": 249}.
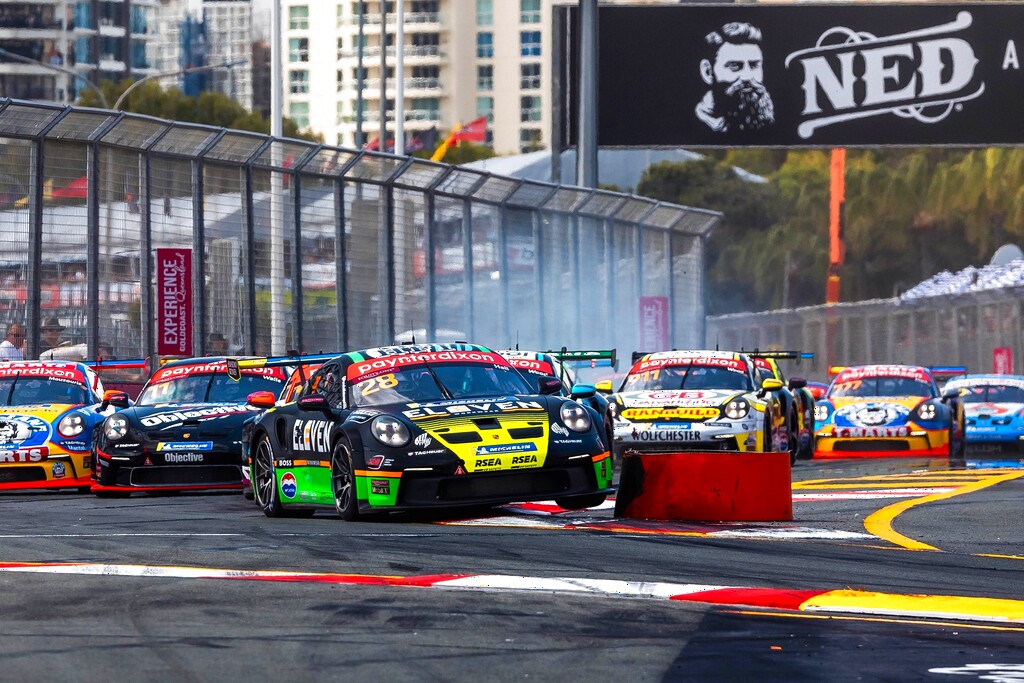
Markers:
{"x": 963, "y": 608}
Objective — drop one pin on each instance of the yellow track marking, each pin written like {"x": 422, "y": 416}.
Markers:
{"x": 883, "y": 620}
{"x": 879, "y": 523}
{"x": 890, "y": 485}
{"x": 1001, "y": 557}
{"x": 943, "y": 606}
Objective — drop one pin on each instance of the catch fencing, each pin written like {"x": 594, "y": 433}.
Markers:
{"x": 307, "y": 247}
{"x": 980, "y": 330}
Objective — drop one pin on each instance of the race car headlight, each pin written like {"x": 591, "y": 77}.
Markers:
{"x": 820, "y": 412}
{"x": 1002, "y": 420}
{"x": 737, "y": 410}
{"x": 71, "y": 425}
{"x": 115, "y": 427}
{"x": 389, "y": 431}
{"x": 926, "y": 411}
{"x": 574, "y": 416}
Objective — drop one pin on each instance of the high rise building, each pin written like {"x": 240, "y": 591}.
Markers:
{"x": 229, "y": 39}
{"x": 98, "y": 40}
{"x": 462, "y": 59}
{"x": 212, "y": 32}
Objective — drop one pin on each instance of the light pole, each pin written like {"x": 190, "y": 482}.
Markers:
{"x": 177, "y": 72}
{"x": 59, "y": 69}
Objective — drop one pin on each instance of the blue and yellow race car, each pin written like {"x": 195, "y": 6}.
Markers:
{"x": 888, "y": 410}
{"x": 48, "y": 411}
{"x": 994, "y": 406}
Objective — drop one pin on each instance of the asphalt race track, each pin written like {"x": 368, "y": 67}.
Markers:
{"x": 891, "y": 570}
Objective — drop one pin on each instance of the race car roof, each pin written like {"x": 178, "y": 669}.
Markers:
{"x": 661, "y": 359}
{"x": 210, "y": 366}
{"x": 987, "y": 380}
{"x": 47, "y": 369}
{"x": 845, "y": 374}
{"x": 367, "y": 363}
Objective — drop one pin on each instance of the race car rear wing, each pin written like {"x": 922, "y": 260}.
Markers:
{"x": 593, "y": 359}
{"x": 236, "y": 365}
{"x": 781, "y": 355}
{"x": 941, "y": 373}
{"x": 944, "y": 373}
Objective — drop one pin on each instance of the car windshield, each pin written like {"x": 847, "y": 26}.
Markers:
{"x": 438, "y": 382}
{"x": 23, "y": 391}
{"x": 993, "y": 393}
{"x": 207, "y": 388}
{"x": 881, "y": 386}
{"x": 687, "y": 377}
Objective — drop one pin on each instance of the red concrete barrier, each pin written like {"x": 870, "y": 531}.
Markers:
{"x": 706, "y": 486}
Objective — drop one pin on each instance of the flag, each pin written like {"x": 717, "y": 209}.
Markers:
{"x": 426, "y": 139}
{"x": 76, "y": 189}
{"x": 372, "y": 145}
{"x": 474, "y": 131}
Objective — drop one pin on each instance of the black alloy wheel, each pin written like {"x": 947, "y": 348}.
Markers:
{"x": 264, "y": 479}
{"x": 343, "y": 483}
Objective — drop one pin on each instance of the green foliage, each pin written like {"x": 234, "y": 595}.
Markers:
{"x": 210, "y": 108}
{"x": 465, "y": 152}
{"x": 908, "y": 215}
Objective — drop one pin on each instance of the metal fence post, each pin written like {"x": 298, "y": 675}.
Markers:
{"x": 297, "y": 293}
{"x": 146, "y": 304}
{"x": 538, "y": 268}
{"x": 467, "y": 264}
{"x": 199, "y": 248}
{"x": 429, "y": 258}
{"x": 341, "y": 260}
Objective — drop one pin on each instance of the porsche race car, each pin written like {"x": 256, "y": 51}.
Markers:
{"x": 421, "y": 426}
{"x": 798, "y": 402}
{"x": 994, "y": 407}
{"x": 48, "y": 411}
{"x": 697, "y": 401}
{"x": 888, "y": 410}
{"x": 184, "y": 431}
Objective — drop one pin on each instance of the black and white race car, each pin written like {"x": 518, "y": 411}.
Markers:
{"x": 184, "y": 432}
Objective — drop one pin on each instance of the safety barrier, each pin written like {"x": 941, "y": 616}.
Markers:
{"x": 713, "y": 486}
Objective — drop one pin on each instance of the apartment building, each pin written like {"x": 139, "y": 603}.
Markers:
{"x": 95, "y": 39}
{"x": 462, "y": 59}
{"x": 198, "y": 34}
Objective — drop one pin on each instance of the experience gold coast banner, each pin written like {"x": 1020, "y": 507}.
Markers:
{"x": 174, "y": 302}
{"x": 790, "y": 75}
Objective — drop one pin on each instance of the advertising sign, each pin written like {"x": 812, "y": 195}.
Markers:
{"x": 1002, "y": 360}
{"x": 786, "y": 75}
{"x": 654, "y": 323}
{"x": 174, "y": 302}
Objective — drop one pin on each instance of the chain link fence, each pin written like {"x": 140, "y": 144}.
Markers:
{"x": 299, "y": 246}
{"x": 964, "y": 329}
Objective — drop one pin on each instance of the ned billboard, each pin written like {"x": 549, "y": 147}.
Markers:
{"x": 804, "y": 75}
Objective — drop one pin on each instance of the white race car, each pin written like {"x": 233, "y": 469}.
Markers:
{"x": 697, "y": 401}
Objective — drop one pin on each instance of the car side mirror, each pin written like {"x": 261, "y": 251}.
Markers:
{"x": 261, "y": 399}
{"x": 113, "y": 397}
{"x": 314, "y": 403}
{"x": 582, "y": 391}
{"x": 604, "y": 387}
{"x": 550, "y": 385}
{"x": 771, "y": 385}
{"x": 797, "y": 382}
{"x": 950, "y": 394}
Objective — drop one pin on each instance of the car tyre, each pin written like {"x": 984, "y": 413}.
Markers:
{"x": 793, "y": 438}
{"x": 581, "y": 502}
{"x": 343, "y": 482}
{"x": 264, "y": 479}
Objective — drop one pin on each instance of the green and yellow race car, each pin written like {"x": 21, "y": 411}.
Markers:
{"x": 425, "y": 426}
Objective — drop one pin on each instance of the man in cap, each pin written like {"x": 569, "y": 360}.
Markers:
{"x": 51, "y": 330}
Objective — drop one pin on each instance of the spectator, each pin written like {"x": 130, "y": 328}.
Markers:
{"x": 12, "y": 348}
{"x": 218, "y": 344}
{"x": 105, "y": 351}
{"x": 51, "y": 330}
